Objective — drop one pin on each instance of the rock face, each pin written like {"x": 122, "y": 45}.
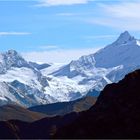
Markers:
{"x": 39, "y": 66}
{"x": 116, "y": 114}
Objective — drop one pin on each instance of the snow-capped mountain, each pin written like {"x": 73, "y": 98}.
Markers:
{"x": 29, "y": 83}
{"x": 125, "y": 51}
{"x": 20, "y": 82}
{"x": 95, "y": 71}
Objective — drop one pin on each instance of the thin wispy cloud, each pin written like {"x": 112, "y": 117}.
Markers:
{"x": 122, "y": 15}
{"x": 100, "y": 36}
{"x": 46, "y": 3}
{"x": 14, "y": 33}
{"x": 48, "y": 47}
{"x": 76, "y": 24}
{"x": 67, "y": 14}
{"x": 123, "y": 10}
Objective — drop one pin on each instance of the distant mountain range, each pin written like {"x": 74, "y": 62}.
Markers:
{"x": 64, "y": 108}
{"x": 16, "y": 112}
{"x": 30, "y": 84}
{"x": 116, "y": 114}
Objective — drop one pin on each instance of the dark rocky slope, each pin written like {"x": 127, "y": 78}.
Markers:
{"x": 116, "y": 113}
{"x": 42, "y": 129}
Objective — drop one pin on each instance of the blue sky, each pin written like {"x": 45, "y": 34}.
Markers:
{"x": 62, "y": 30}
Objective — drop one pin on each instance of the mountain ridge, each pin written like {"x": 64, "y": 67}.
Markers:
{"x": 64, "y": 108}
{"x": 108, "y": 65}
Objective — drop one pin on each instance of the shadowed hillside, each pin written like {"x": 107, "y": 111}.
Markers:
{"x": 10, "y": 112}
{"x": 116, "y": 113}
{"x": 65, "y": 107}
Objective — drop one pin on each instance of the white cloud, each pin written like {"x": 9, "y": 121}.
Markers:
{"x": 122, "y": 15}
{"x": 58, "y": 56}
{"x": 13, "y": 33}
{"x": 48, "y": 47}
{"x": 125, "y": 24}
{"x": 123, "y": 10}
{"x": 46, "y": 3}
{"x": 67, "y": 14}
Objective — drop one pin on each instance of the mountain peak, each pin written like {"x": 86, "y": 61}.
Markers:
{"x": 12, "y": 52}
{"x": 124, "y": 38}
{"x": 12, "y": 58}
{"x": 125, "y": 35}
{"x": 12, "y": 55}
